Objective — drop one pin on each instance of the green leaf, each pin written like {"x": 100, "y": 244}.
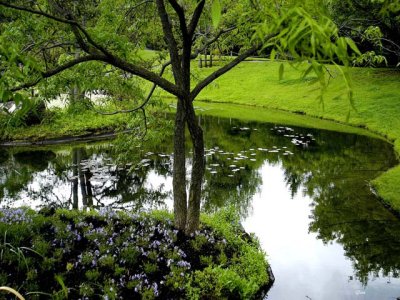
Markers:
{"x": 6, "y": 95}
{"x": 272, "y": 55}
{"x": 281, "y": 70}
{"x": 63, "y": 287}
{"x": 216, "y": 12}
{"x": 352, "y": 45}
{"x": 18, "y": 99}
{"x": 307, "y": 71}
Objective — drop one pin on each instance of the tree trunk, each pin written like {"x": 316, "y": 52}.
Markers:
{"x": 198, "y": 169}
{"x": 179, "y": 169}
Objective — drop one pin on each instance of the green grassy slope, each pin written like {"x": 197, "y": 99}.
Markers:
{"x": 376, "y": 94}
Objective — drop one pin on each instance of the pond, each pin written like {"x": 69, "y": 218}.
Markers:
{"x": 303, "y": 192}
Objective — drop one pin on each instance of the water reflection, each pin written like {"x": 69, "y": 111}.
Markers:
{"x": 307, "y": 189}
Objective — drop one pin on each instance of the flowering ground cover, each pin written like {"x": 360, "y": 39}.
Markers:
{"x": 106, "y": 254}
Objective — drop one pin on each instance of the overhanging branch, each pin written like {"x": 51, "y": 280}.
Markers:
{"x": 58, "y": 70}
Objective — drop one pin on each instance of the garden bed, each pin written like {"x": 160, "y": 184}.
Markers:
{"x": 119, "y": 255}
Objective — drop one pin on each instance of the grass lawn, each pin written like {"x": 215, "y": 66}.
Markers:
{"x": 376, "y": 99}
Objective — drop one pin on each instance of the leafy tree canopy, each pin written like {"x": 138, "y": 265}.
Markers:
{"x": 54, "y": 45}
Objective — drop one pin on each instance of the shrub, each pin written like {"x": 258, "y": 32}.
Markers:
{"x": 118, "y": 254}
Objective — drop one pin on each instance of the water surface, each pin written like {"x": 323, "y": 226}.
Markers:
{"x": 303, "y": 192}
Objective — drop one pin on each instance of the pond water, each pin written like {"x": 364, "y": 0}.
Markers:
{"x": 303, "y": 192}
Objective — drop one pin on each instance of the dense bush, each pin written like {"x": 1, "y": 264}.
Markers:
{"x": 119, "y": 255}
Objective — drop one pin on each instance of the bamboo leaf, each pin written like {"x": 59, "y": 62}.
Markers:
{"x": 273, "y": 54}
{"x": 281, "y": 70}
{"x": 352, "y": 45}
{"x": 216, "y": 12}
{"x": 307, "y": 71}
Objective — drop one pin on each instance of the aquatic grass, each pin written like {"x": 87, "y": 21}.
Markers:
{"x": 117, "y": 254}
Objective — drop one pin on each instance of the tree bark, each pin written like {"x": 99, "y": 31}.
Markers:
{"x": 198, "y": 169}
{"x": 179, "y": 169}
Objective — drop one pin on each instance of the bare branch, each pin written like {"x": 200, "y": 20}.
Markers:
{"x": 200, "y": 86}
{"x": 213, "y": 40}
{"x": 145, "y": 123}
{"x": 136, "y": 6}
{"x": 55, "y": 45}
{"x": 36, "y": 12}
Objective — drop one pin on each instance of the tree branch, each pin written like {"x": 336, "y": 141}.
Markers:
{"x": 181, "y": 15}
{"x": 57, "y": 70}
{"x": 58, "y": 19}
{"x": 195, "y": 18}
{"x": 172, "y": 45}
{"x": 108, "y": 57}
{"x": 201, "y": 85}
{"x": 213, "y": 40}
{"x": 143, "y": 73}
{"x": 141, "y": 106}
